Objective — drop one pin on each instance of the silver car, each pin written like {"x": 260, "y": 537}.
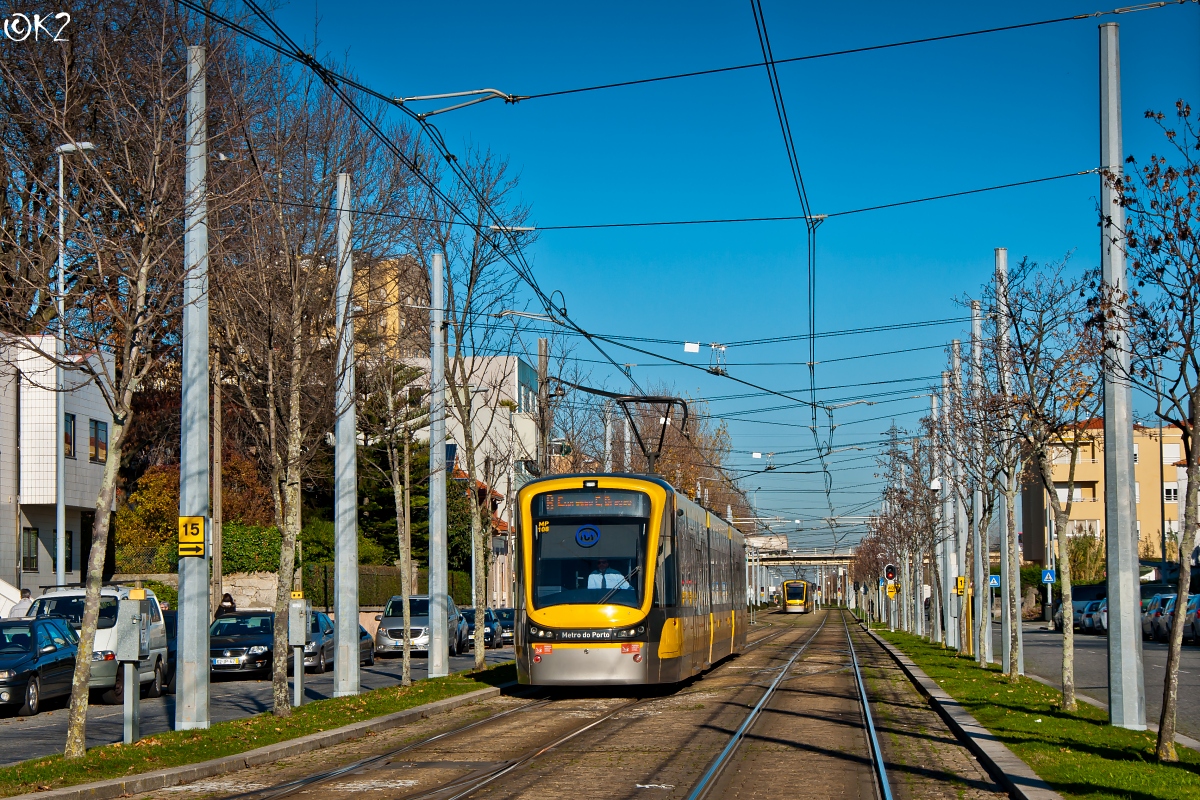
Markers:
{"x": 389, "y": 639}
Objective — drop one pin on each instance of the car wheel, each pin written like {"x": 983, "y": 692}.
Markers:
{"x": 116, "y": 695}
{"x": 33, "y": 698}
{"x": 370, "y": 659}
{"x": 156, "y": 687}
{"x": 320, "y": 667}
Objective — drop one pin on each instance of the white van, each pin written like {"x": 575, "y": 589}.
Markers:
{"x": 68, "y": 603}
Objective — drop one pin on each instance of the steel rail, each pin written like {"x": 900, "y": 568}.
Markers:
{"x": 705, "y": 783}
{"x": 880, "y": 771}
{"x": 292, "y": 787}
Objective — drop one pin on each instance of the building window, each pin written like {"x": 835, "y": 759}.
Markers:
{"x": 69, "y": 435}
{"x": 29, "y": 550}
{"x": 1137, "y": 491}
{"x": 70, "y": 551}
{"x": 1135, "y": 452}
{"x": 1170, "y": 453}
{"x": 1170, "y": 492}
{"x": 97, "y": 441}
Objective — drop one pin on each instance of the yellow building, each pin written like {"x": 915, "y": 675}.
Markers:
{"x": 1157, "y": 490}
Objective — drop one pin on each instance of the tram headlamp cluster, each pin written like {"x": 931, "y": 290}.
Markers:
{"x": 541, "y": 633}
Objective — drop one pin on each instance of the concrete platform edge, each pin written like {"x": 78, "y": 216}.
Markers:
{"x": 1013, "y": 774}
{"x": 173, "y": 776}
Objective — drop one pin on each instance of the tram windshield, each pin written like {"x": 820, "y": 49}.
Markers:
{"x": 589, "y": 548}
{"x": 795, "y": 591}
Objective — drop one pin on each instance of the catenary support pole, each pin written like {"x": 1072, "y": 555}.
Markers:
{"x": 439, "y": 633}
{"x": 949, "y": 569}
{"x": 544, "y": 406}
{"x": 345, "y": 501}
{"x": 608, "y": 432}
{"x": 1011, "y": 551}
{"x": 961, "y": 531}
{"x": 983, "y": 614}
{"x": 1126, "y": 693}
{"x": 60, "y": 411}
{"x": 191, "y": 693}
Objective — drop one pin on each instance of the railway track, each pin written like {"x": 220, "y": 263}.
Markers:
{"x": 538, "y": 739}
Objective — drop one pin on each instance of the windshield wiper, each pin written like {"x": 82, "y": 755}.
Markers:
{"x": 624, "y": 580}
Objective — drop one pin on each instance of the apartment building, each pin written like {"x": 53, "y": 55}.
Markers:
{"x": 1159, "y": 483}
{"x": 28, "y": 532}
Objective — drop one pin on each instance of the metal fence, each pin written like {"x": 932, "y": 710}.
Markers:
{"x": 376, "y": 585}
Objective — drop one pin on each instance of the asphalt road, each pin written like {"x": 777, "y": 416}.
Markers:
{"x": 1043, "y": 657}
{"x": 45, "y": 734}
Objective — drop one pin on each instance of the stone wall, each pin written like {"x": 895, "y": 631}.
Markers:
{"x": 252, "y": 590}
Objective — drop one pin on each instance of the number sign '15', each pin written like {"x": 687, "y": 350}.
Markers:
{"x": 191, "y": 537}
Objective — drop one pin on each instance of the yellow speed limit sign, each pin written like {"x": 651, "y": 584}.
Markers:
{"x": 891, "y": 591}
{"x": 191, "y": 537}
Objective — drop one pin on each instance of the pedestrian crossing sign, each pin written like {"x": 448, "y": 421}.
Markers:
{"x": 994, "y": 581}
{"x": 882, "y": 583}
{"x": 1047, "y": 576}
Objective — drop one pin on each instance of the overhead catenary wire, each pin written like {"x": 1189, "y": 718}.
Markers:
{"x": 844, "y": 52}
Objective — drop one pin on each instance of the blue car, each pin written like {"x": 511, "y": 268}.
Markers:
{"x": 37, "y": 661}
{"x": 492, "y": 631}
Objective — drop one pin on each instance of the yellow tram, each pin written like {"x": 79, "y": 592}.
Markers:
{"x": 796, "y": 597}
{"x": 622, "y": 580}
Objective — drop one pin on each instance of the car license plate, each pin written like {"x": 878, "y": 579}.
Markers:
{"x": 223, "y": 662}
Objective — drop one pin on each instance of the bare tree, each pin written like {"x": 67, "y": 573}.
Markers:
{"x": 479, "y": 362}
{"x": 273, "y": 303}
{"x": 120, "y": 85}
{"x": 1055, "y": 364}
{"x": 1164, "y": 322}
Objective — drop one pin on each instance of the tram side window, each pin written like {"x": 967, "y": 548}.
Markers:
{"x": 666, "y": 589}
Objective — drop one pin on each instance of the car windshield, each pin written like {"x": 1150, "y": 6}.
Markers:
{"x": 468, "y": 614}
{"x": 71, "y": 607}
{"x": 505, "y": 614}
{"x": 16, "y": 638}
{"x": 243, "y": 626}
{"x": 417, "y": 607}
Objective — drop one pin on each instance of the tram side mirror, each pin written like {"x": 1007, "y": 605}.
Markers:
{"x": 679, "y": 512}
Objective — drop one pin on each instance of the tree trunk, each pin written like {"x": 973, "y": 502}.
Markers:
{"x": 399, "y": 495}
{"x": 967, "y": 643}
{"x": 1011, "y": 562}
{"x": 1061, "y": 520}
{"x": 406, "y": 664}
{"x": 76, "y": 745}
{"x": 480, "y": 598}
{"x": 1165, "y": 748}
{"x": 290, "y": 533}
{"x": 938, "y": 618}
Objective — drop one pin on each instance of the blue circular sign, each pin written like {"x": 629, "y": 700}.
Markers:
{"x": 587, "y": 535}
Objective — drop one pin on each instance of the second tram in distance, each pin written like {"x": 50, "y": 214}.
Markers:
{"x": 623, "y": 580}
{"x": 797, "y": 597}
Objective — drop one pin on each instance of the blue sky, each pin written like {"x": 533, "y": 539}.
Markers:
{"x": 870, "y": 128}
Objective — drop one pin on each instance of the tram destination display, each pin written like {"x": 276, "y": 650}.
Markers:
{"x": 591, "y": 502}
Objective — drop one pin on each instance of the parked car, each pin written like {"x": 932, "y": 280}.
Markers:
{"x": 318, "y": 653}
{"x": 366, "y": 648}
{"x": 507, "y": 617}
{"x": 491, "y": 627}
{"x": 1088, "y": 623}
{"x": 37, "y": 661}
{"x": 1162, "y": 624}
{"x": 1102, "y": 615}
{"x": 106, "y": 678}
{"x": 242, "y": 642}
{"x": 389, "y": 639}
{"x": 171, "y": 621}
{"x": 1190, "y": 629}
{"x": 1153, "y": 611}
{"x": 1077, "y": 614}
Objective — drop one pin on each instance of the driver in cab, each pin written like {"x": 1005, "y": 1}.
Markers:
{"x": 605, "y": 577}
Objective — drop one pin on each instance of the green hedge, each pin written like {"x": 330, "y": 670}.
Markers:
{"x": 249, "y": 548}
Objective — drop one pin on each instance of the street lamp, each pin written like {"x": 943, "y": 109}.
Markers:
{"x": 60, "y": 348}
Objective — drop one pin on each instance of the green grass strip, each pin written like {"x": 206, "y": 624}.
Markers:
{"x": 1078, "y": 753}
{"x": 177, "y": 748}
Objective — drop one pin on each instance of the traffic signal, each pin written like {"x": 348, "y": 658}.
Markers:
{"x": 889, "y": 572}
